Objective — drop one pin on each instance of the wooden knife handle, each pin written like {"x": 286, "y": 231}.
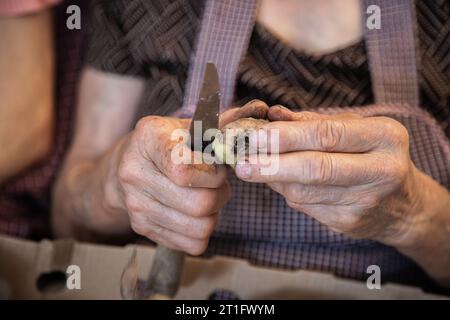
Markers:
{"x": 166, "y": 272}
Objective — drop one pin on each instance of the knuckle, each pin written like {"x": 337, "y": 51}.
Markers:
{"x": 290, "y": 192}
{"x": 128, "y": 170}
{"x": 150, "y": 234}
{"x": 149, "y": 134}
{"x": 138, "y": 226}
{"x": 143, "y": 130}
{"x": 141, "y": 225}
{"x": 205, "y": 230}
{"x": 322, "y": 170}
{"x": 154, "y": 232}
{"x": 395, "y": 132}
{"x": 329, "y": 134}
{"x": 133, "y": 205}
{"x": 146, "y": 123}
{"x": 138, "y": 229}
{"x": 205, "y": 203}
{"x": 294, "y": 205}
{"x": 326, "y": 169}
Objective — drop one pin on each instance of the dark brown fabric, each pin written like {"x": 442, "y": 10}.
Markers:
{"x": 154, "y": 39}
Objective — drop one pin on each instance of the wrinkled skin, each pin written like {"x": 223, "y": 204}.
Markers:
{"x": 232, "y": 144}
{"x": 355, "y": 175}
{"x": 353, "y": 199}
{"x": 155, "y": 189}
{"x": 351, "y": 173}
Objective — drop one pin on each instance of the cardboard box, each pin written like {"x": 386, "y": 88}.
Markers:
{"x": 37, "y": 270}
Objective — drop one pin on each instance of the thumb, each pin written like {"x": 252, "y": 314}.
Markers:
{"x": 254, "y": 109}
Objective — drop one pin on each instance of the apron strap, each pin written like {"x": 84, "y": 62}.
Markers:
{"x": 225, "y": 32}
{"x": 392, "y": 52}
{"x": 224, "y": 36}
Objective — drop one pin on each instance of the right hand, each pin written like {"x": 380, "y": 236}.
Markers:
{"x": 175, "y": 205}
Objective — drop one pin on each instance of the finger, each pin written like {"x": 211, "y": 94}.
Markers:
{"x": 193, "y": 227}
{"x": 313, "y": 194}
{"x": 189, "y": 245}
{"x": 354, "y": 135}
{"x": 281, "y": 113}
{"x": 138, "y": 176}
{"x": 193, "y": 172}
{"x": 162, "y": 141}
{"x": 253, "y": 109}
{"x": 173, "y": 240}
{"x": 312, "y": 167}
{"x": 196, "y": 202}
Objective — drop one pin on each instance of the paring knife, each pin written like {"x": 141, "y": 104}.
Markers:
{"x": 168, "y": 264}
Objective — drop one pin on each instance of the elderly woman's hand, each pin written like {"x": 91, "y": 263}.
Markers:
{"x": 354, "y": 175}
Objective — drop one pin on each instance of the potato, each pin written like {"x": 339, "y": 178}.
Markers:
{"x": 232, "y": 144}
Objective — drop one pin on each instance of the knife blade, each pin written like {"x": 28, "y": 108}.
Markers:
{"x": 206, "y": 114}
{"x": 167, "y": 268}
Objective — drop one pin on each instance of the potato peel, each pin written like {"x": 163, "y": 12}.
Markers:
{"x": 232, "y": 143}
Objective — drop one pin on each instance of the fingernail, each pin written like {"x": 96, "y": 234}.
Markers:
{"x": 244, "y": 170}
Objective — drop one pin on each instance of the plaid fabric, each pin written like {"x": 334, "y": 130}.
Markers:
{"x": 392, "y": 52}
{"x": 223, "y": 39}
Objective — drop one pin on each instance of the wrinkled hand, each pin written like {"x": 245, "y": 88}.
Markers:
{"x": 352, "y": 174}
{"x": 175, "y": 205}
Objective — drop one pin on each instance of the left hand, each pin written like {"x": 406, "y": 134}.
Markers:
{"x": 351, "y": 173}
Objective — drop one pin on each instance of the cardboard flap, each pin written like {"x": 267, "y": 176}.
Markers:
{"x": 23, "y": 262}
